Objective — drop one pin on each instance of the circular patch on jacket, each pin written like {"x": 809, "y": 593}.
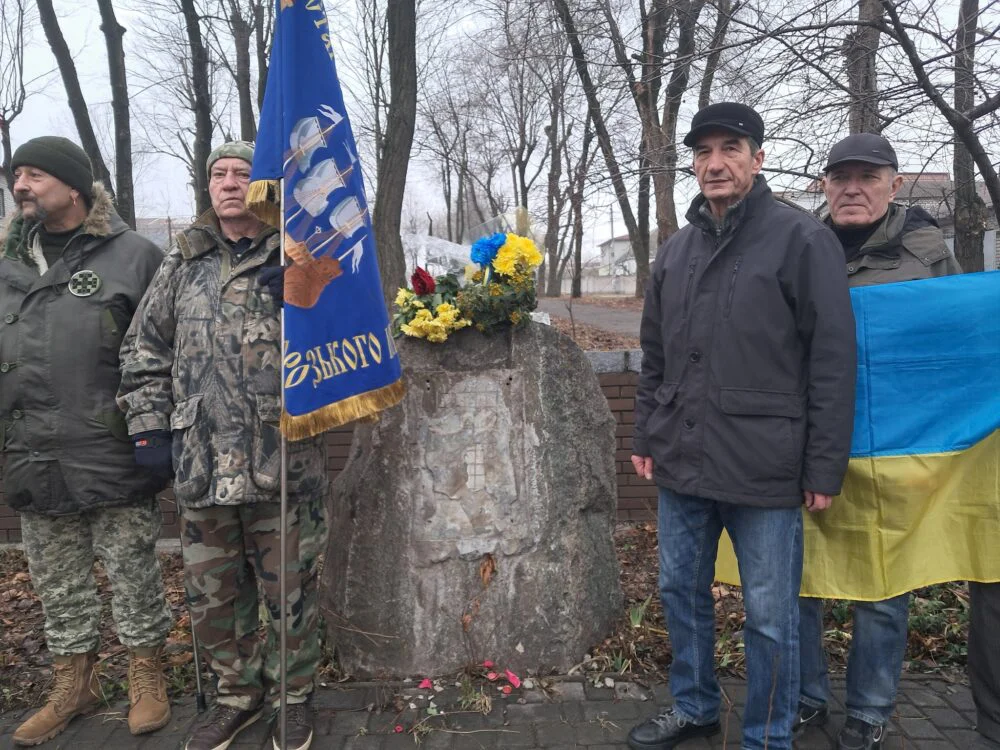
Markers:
{"x": 84, "y": 283}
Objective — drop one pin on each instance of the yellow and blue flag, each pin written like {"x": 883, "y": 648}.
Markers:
{"x": 339, "y": 360}
{"x": 921, "y": 500}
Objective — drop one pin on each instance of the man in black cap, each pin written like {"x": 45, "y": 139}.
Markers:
{"x": 744, "y": 412}
{"x": 883, "y": 242}
{"x": 71, "y": 276}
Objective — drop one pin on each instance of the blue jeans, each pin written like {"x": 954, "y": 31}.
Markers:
{"x": 768, "y": 544}
{"x": 874, "y": 663}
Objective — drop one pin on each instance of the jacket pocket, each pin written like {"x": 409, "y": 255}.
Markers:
{"x": 191, "y": 450}
{"x": 266, "y": 459}
{"x": 761, "y": 428}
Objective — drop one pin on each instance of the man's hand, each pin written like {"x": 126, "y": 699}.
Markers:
{"x": 815, "y": 501}
{"x": 643, "y": 466}
{"x": 153, "y": 452}
{"x": 273, "y": 277}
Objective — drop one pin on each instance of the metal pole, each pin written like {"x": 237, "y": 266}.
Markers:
{"x": 283, "y": 526}
{"x": 199, "y": 692}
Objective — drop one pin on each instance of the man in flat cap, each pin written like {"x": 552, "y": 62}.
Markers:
{"x": 201, "y": 387}
{"x": 71, "y": 276}
{"x": 883, "y": 242}
{"x": 744, "y": 413}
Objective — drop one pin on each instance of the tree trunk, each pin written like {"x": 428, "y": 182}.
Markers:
{"x": 262, "y": 17}
{"x": 552, "y": 203}
{"x": 603, "y": 137}
{"x": 241, "y": 30}
{"x": 970, "y": 209}
{"x": 202, "y": 105}
{"x": 687, "y": 16}
{"x": 113, "y": 33}
{"x": 74, "y": 94}
{"x": 402, "y": 24}
{"x": 860, "y": 48}
{"x": 7, "y": 154}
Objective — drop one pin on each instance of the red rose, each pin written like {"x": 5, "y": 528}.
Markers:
{"x": 422, "y": 282}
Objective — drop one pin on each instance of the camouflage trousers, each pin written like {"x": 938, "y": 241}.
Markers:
{"x": 231, "y": 552}
{"x": 61, "y": 552}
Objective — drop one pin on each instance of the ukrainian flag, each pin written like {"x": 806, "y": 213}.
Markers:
{"x": 921, "y": 500}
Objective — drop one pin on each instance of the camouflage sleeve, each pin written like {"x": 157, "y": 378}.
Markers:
{"x": 147, "y": 354}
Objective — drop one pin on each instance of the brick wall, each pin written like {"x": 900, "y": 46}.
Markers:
{"x": 636, "y": 497}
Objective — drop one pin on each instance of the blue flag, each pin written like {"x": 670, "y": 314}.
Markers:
{"x": 339, "y": 359}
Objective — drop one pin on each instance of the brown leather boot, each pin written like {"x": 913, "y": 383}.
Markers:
{"x": 76, "y": 691}
{"x": 147, "y": 691}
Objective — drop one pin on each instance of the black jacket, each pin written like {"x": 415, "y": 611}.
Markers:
{"x": 66, "y": 444}
{"x": 748, "y": 375}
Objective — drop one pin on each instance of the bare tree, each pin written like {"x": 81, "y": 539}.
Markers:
{"x": 13, "y": 92}
{"x": 970, "y": 209}
{"x": 113, "y": 33}
{"x": 860, "y": 48}
{"x": 596, "y": 114}
{"x": 402, "y": 31}
{"x": 77, "y": 104}
{"x": 202, "y": 104}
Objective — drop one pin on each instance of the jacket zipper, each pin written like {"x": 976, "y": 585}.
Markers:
{"x": 687, "y": 287}
{"x": 732, "y": 284}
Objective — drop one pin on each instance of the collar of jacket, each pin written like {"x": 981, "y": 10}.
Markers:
{"x": 102, "y": 221}
{"x": 205, "y": 235}
{"x": 885, "y": 238}
{"x": 736, "y": 214}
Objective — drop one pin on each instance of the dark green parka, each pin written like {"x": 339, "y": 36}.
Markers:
{"x": 66, "y": 444}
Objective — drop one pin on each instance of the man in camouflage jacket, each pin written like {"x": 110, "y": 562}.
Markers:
{"x": 71, "y": 276}
{"x": 201, "y": 391}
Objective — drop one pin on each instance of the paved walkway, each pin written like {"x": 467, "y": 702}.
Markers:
{"x": 931, "y": 714}
{"x": 606, "y": 318}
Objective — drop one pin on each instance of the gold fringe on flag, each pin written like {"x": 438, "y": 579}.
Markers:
{"x": 349, "y": 410}
{"x": 264, "y": 201}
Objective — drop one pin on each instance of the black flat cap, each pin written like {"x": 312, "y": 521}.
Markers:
{"x": 867, "y": 147}
{"x": 739, "y": 118}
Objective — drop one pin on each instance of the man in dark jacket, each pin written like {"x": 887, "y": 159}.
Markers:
{"x": 744, "y": 412}
{"x": 883, "y": 242}
{"x": 71, "y": 276}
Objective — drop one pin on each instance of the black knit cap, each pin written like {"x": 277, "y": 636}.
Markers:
{"x": 61, "y": 158}
{"x": 738, "y": 118}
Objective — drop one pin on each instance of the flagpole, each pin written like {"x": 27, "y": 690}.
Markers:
{"x": 283, "y": 525}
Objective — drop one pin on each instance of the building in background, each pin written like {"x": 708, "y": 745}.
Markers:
{"x": 617, "y": 258}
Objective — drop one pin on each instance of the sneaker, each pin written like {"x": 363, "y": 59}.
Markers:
{"x": 666, "y": 730}
{"x": 809, "y": 716}
{"x": 298, "y": 725}
{"x": 860, "y": 735}
{"x": 221, "y": 727}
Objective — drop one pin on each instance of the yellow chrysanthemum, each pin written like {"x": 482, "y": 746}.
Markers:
{"x": 517, "y": 254}
{"x": 403, "y": 296}
{"x": 515, "y": 317}
{"x": 495, "y": 290}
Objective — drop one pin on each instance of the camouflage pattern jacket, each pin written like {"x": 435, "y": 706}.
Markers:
{"x": 66, "y": 444}
{"x": 202, "y": 359}
{"x": 907, "y": 245}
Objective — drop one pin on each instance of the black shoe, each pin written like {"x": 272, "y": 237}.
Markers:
{"x": 809, "y": 716}
{"x": 666, "y": 730}
{"x": 220, "y": 728}
{"x": 860, "y": 735}
{"x": 298, "y": 725}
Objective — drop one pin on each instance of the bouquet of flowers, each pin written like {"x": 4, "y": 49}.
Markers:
{"x": 500, "y": 292}
{"x": 428, "y": 311}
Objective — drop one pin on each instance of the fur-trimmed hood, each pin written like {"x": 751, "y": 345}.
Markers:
{"x": 17, "y": 236}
